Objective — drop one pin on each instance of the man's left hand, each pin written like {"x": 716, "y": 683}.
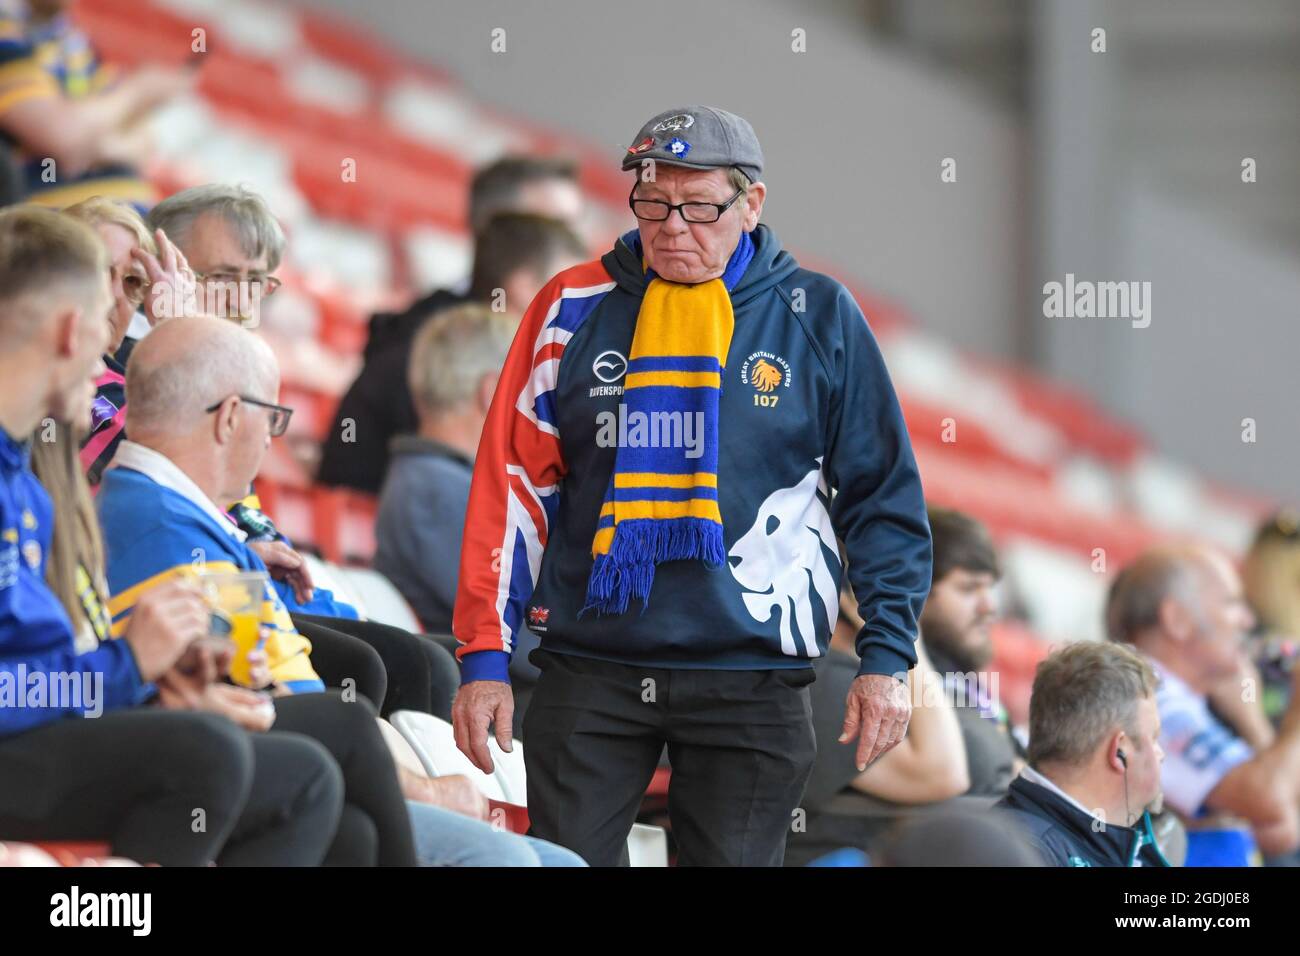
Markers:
{"x": 286, "y": 564}
{"x": 877, "y": 711}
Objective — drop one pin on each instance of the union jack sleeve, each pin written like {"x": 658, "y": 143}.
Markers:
{"x": 514, "y": 493}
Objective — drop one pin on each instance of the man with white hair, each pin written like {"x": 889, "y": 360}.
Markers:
{"x": 231, "y": 240}
{"x": 667, "y": 432}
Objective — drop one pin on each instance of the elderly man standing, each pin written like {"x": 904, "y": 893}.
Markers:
{"x": 652, "y": 496}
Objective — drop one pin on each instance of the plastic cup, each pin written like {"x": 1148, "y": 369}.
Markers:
{"x": 236, "y": 600}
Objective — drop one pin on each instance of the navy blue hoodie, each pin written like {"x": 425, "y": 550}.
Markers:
{"x": 832, "y": 421}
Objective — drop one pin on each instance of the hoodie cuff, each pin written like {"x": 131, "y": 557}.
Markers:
{"x": 485, "y": 665}
{"x": 883, "y": 660}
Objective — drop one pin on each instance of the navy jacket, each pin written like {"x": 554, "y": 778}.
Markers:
{"x": 1067, "y": 836}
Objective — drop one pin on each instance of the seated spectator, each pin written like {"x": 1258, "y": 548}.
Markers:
{"x": 1185, "y": 611}
{"x": 449, "y": 818}
{"x": 456, "y": 359}
{"x": 455, "y": 362}
{"x": 1094, "y": 759}
{"x": 201, "y": 407}
{"x": 523, "y": 212}
{"x": 232, "y": 241}
{"x": 142, "y": 267}
{"x": 1271, "y": 575}
{"x": 235, "y": 243}
{"x": 846, "y": 806}
{"x": 231, "y": 236}
{"x": 59, "y": 103}
{"x": 956, "y": 629}
{"x": 147, "y": 767}
{"x": 959, "y": 743}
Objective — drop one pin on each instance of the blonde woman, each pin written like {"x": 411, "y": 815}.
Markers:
{"x": 146, "y": 271}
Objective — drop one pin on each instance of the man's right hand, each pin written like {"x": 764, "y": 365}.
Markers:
{"x": 479, "y": 704}
{"x": 166, "y": 620}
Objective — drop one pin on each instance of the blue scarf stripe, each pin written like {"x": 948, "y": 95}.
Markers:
{"x": 664, "y": 494}
{"x": 674, "y": 363}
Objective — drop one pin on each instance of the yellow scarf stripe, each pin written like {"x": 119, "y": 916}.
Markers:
{"x": 650, "y": 479}
{"x": 695, "y": 508}
{"x": 679, "y": 379}
{"x": 698, "y": 508}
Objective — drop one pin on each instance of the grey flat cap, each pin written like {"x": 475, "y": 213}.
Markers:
{"x": 698, "y": 137}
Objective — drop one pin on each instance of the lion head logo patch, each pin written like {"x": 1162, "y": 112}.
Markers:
{"x": 765, "y": 376}
{"x": 766, "y": 371}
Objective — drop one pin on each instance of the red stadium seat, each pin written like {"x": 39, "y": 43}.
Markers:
{"x": 344, "y": 523}
{"x": 515, "y": 816}
{"x": 76, "y": 853}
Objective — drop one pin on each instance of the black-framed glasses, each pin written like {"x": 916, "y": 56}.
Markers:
{"x": 280, "y": 414}
{"x": 656, "y": 210}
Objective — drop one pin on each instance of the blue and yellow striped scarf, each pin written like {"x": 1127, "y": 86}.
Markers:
{"x": 662, "y": 503}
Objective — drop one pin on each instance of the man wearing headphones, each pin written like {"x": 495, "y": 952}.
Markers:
{"x": 1094, "y": 759}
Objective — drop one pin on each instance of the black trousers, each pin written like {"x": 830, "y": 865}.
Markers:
{"x": 420, "y": 674}
{"x": 172, "y": 787}
{"x": 741, "y": 746}
{"x": 375, "y": 827}
{"x": 337, "y": 657}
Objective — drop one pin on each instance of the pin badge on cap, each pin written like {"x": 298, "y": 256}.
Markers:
{"x": 675, "y": 123}
{"x": 678, "y": 147}
{"x": 641, "y": 147}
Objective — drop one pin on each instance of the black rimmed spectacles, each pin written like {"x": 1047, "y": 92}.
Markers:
{"x": 280, "y": 414}
{"x": 656, "y": 210}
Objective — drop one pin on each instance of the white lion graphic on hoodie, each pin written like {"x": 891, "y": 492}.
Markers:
{"x": 779, "y": 561}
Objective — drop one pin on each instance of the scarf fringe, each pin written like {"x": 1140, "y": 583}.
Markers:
{"x": 628, "y": 570}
